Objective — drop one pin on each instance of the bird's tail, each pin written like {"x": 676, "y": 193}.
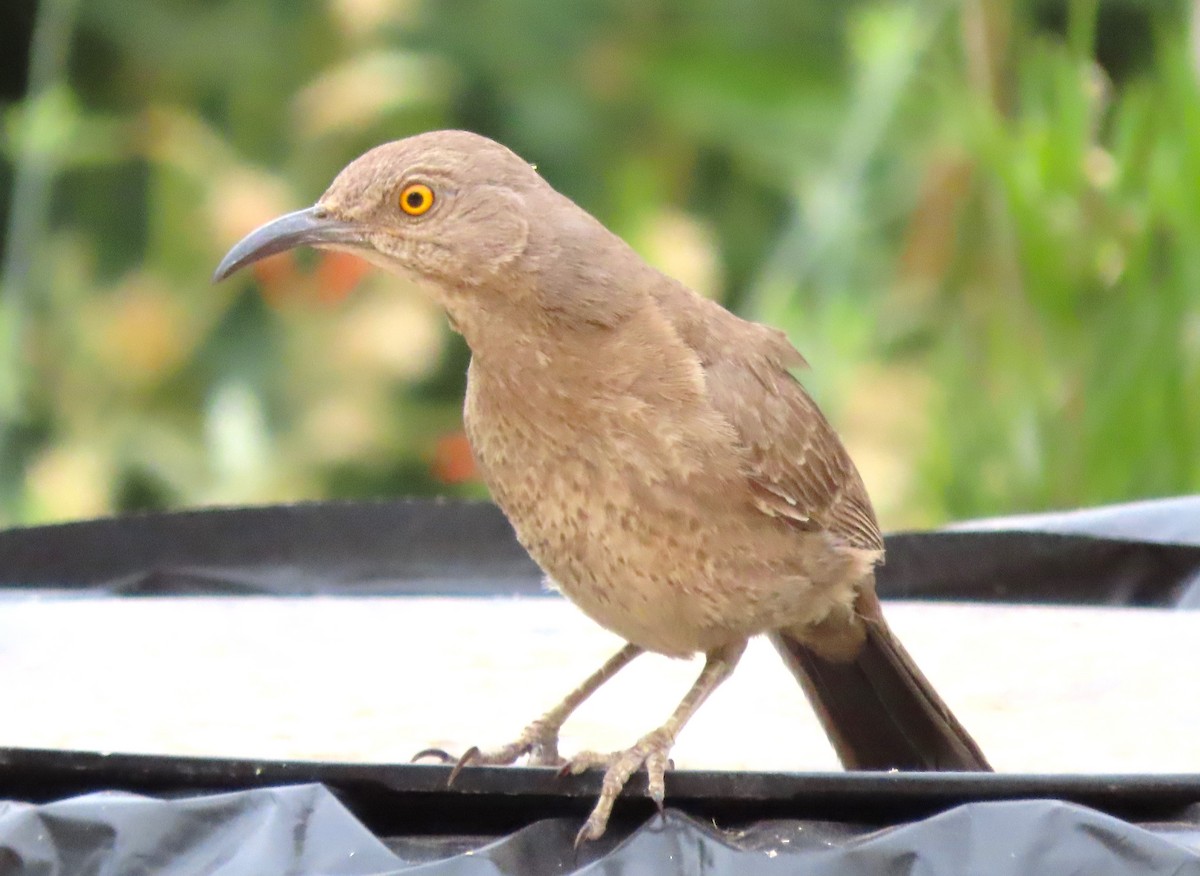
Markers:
{"x": 878, "y": 709}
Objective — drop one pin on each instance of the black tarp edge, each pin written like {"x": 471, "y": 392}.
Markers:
{"x": 394, "y": 798}
{"x": 1108, "y": 556}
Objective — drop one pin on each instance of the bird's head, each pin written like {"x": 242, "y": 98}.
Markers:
{"x": 448, "y": 207}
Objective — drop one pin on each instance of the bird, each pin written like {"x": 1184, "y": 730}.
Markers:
{"x": 656, "y": 455}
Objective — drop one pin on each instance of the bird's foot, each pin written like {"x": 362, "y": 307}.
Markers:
{"x": 539, "y": 741}
{"x": 652, "y": 750}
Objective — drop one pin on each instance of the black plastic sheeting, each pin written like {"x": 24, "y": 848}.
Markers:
{"x": 1144, "y": 554}
{"x": 398, "y": 819}
{"x": 304, "y": 831}
{"x": 84, "y": 813}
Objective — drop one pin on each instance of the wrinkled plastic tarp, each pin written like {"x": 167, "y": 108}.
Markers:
{"x": 305, "y": 831}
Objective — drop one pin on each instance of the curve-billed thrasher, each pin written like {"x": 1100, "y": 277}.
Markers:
{"x": 654, "y": 452}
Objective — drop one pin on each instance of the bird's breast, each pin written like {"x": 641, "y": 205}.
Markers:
{"x": 637, "y": 508}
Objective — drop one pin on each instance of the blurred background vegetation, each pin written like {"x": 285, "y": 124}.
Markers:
{"x": 979, "y": 220}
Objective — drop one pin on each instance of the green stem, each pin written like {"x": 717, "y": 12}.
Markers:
{"x": 34, "y": 170}
{"x": 1081, "y": 26}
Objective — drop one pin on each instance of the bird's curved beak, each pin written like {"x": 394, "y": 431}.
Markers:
{"x": 311, "y": 227}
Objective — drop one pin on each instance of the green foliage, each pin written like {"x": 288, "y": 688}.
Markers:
{"x": 976, "y": 220}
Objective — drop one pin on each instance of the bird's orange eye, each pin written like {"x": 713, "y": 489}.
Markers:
{"x": 416, "y": 199}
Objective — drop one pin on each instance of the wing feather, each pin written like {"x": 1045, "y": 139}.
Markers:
{"x": 797, "y": 467}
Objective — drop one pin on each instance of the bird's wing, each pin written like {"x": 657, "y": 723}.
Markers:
{"x": 797, "y": 466}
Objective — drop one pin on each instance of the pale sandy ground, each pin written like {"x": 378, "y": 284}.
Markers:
{"x": 1043, "y": 689}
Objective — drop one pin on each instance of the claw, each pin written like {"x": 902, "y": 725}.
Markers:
{"x": 650, "y": 751}
{"x": 469, "y": 755}
{"x": 439, "y": 754}
{"x": 590, "y": 830}
{"x": 538, "y": 742}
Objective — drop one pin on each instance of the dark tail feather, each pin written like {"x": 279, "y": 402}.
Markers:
{"x": 879, "y": 710}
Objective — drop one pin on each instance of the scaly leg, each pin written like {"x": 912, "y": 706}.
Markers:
{"x": 653, "y": 748}
{"x": 540, "y": 739}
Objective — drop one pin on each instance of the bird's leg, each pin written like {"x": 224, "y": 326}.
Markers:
{"x": 540, "y": 739}
{"x": 653, "y": 748}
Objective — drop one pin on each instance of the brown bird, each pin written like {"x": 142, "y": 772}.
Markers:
{"x": 655, "y": 453}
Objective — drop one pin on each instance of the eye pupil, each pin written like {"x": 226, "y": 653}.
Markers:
{"x": 416, "y": 199}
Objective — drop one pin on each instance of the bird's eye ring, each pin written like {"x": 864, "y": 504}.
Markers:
{"x": 416, "y": 199}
